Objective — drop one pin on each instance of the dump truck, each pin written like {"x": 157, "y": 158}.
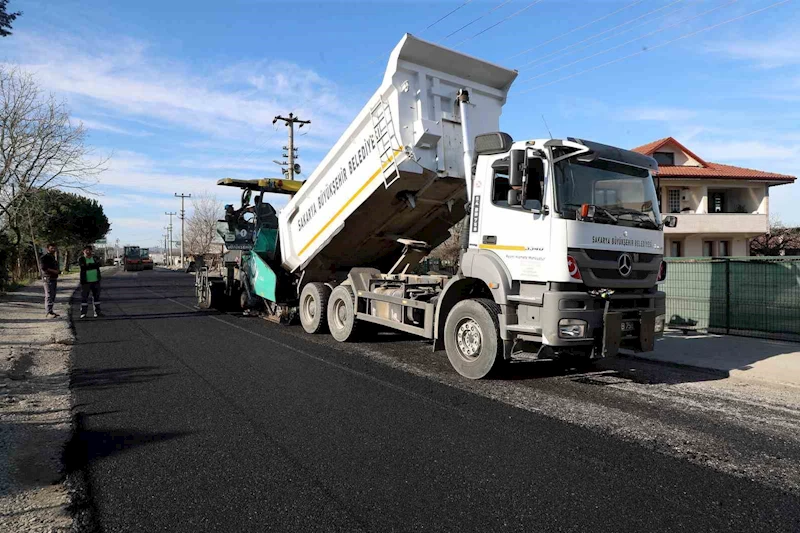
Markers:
{"x": 132, "y": 258}
{"x": 562, "y": 241}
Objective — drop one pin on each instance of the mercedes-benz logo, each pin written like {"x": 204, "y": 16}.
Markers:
{"x": 625, "y": 265}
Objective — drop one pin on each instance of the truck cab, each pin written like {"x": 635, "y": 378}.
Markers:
{"x": 568, "y": 238}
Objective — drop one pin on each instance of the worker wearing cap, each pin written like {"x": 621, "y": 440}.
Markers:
{"x": 90, "y": 281}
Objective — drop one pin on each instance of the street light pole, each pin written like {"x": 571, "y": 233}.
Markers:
{"x": 183, "y": 212}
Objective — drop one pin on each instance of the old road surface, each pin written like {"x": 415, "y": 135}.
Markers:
{"x": 204, "y": 421}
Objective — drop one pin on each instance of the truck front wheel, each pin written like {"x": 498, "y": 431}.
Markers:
{"x": 472, "y": 338}
{"x": 313, "y": 307}
{"x": 341, "y": 313}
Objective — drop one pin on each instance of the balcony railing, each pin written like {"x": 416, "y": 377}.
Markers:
{"x": 719, "y": 223}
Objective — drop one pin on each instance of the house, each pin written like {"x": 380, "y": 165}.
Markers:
{"x": 720, "y": 208}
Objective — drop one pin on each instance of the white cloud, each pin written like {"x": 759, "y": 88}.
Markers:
{"x": 770, "y": 53}
{"x": 126, "y": 78}
{"x": 722, "y": 151}
{"x": 90, "y": 125}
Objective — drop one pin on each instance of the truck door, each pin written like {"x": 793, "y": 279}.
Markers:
{"x": 519, "y": 234}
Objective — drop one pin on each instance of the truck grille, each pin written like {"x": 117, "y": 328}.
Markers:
{"x": 600, "y": 269}
{"x": 611, "y": 255}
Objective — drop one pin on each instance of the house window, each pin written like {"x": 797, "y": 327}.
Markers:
{"x": 675, "y": 249}
{"x": 708, "y": 248}
{"x": 723, "y": 248}
{"x": 666, "y": 159}
{"x": 674, "y": 201}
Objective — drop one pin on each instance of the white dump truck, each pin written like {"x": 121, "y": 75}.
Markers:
{"x": 562, "y": 244}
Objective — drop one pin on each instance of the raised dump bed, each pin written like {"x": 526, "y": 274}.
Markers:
{"x": 397, "y": 172}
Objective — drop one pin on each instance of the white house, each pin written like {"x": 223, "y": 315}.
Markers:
{"x": 720, "y": 208}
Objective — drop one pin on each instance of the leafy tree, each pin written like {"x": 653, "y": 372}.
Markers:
{"x": 68, "y": 220}
{"x": 6, "y": 18}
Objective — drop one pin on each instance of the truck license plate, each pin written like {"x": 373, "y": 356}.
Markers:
{"x": 628, "y": 327}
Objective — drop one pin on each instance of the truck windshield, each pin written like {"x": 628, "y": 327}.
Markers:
{"x": 622, "y": 194}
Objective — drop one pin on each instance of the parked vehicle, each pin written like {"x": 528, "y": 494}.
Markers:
{"x": 561, "y": 258}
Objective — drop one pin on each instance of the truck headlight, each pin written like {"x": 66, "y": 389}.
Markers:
{"x": 570, "y": 328}
{"x": 660, "y": 319}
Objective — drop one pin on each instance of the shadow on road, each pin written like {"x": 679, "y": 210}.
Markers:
{"x": 88, "y": 445}
{"x": 114, "y": 377}
{"x": 151, "y": 316}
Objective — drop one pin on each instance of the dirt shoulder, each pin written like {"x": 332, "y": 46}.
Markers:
{"x": 35, "y": 409}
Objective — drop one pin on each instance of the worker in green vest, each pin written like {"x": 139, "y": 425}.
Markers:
{"x": 90, "y": 281}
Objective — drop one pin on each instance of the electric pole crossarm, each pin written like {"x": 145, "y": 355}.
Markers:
{"x": 290, "y": 121}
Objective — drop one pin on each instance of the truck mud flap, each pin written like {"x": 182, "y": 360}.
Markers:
{"x": 612, "y": 333}
{"x": 647, "y": 331}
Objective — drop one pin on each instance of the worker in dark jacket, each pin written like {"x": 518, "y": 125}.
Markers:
{"x": 90, "y": 281}
{"x": 50, "y": 273}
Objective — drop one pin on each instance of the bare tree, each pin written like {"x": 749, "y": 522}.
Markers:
{"x": 40, "y": 148}
{"x": 777, "y": 241}
{"x": 201, "y": 226}
{"x": 450, "y": 250}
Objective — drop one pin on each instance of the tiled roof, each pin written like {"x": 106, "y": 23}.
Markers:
{"x": 649, "y": 149}
{"x": 708, "y": 170}
{"x": 717, "y": 170}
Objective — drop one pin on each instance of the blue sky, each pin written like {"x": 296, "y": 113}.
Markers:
{"x": 181, "y": 93}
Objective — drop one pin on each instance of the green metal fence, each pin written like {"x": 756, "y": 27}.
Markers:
{"x": 755, "y": 296}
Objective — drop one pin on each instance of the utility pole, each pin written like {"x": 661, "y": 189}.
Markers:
{"x": 291, "y": 170}
{"x": 171, "y": 214}
{"x": 166, "y": 238}
{"x": 183, "y": 212}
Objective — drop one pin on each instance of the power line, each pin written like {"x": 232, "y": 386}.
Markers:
{"x": 383, "y": 56}
{"x": 684, "y": 36}
{"x": 500, "y": 22}
{"x": 679, "y": 23}
{"x": 444, "y": 17}
{"x": 632, "y": 4}
{"x": 640, "y": 17}
{"x": 468, "y": 24}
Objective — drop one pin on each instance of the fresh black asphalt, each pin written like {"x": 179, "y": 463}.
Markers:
{"x": 202, "y": 421}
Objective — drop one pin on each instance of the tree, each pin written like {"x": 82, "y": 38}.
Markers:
{"x": 40, "y": 148}
{"x": 777, "y": 241}
{"x": 6, "y": 18}
{"x": 450, "y": 250}
{"x": 68, "y": 220}
{"x": 201, "y": 226}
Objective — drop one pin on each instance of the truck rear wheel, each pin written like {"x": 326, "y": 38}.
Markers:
{"x": 472, "y": 338}
{"x": 314, "y": 307}
{"x": 342, "y": 314}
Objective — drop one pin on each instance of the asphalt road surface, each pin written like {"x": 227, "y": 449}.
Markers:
{"x": 203, "y": 421}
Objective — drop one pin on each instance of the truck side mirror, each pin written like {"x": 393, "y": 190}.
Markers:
{"x": 515, "y": 166}
{"x": 670, "y": 221}
{"x": 514, "y": 198}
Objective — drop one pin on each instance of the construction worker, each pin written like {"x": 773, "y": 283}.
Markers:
{"x": 90, "y": 281}
{"x": 50, "y": 273}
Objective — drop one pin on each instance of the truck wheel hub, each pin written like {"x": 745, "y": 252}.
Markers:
{"x": 468, "y": 338}
{"x": 310, "y": 307}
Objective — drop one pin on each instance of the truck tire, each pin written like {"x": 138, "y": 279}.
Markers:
{"x": 342, "y": 314}
{"x": 472, "y": 338}
{"x": 314, "y": 307}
